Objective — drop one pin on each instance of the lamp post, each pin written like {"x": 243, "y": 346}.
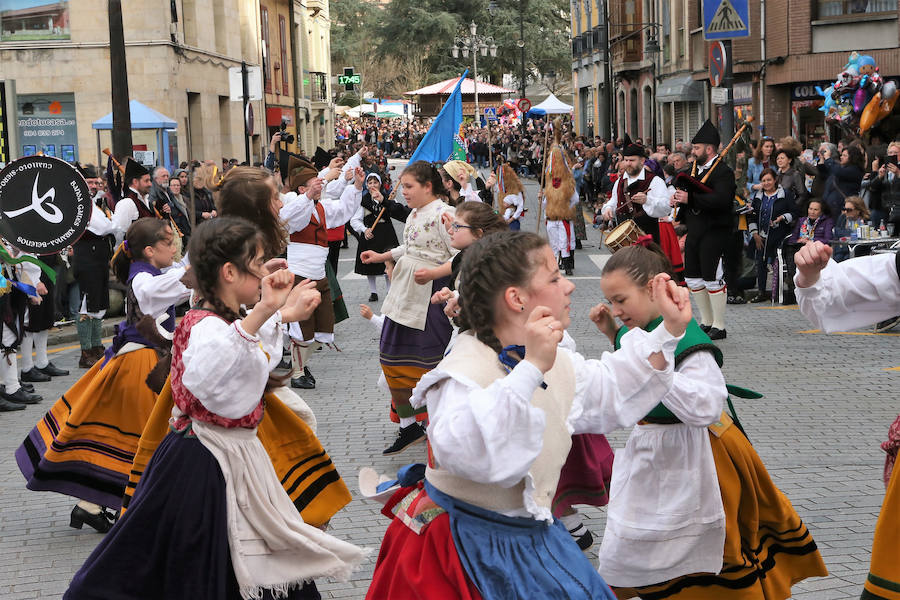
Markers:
{"x": 474, "y": 43}
{"x": 521, "y": 44}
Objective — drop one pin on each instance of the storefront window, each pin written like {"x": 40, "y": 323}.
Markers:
{"x": 31, "y": 20}
{"x": 849, "y": 8}
{"x": 46, "y": 125}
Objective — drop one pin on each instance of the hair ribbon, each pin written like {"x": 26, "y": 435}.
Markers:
{"x": 644, "y": 240}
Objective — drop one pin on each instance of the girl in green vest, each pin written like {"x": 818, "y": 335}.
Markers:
{"x": 693, "y": 512}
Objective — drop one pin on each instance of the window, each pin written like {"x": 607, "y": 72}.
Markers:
{"x": 666, "y": 32}
{"x": 264, "y": 24}
{"x": 284, "y": 54}
{"x": 22, "y": 20}
{"x": 850, "y": 8}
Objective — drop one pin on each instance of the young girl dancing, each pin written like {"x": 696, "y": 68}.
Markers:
{"x": 85, "y": 444}
{"x": 502, "y": 406}
{"x": 287, "y": 430}
{"x": 415, "y": 332}
{"x": 688, "y": 483}
{"x": 210, "y": 518}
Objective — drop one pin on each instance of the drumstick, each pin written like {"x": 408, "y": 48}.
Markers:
{"x": 119, "y": 166}
{"x": 378, "y": 218}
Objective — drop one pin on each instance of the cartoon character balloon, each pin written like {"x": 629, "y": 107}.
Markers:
{"x": 859, "y": 98}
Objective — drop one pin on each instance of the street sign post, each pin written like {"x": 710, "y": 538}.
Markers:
{"x": 490, "y": 114}
{"x": 718, "y": 60}
{"x": 719, "y": 95}
{"x": 349, "y": 79}
{"x": 524, "y": 105}
{"x": 726, "y": 19}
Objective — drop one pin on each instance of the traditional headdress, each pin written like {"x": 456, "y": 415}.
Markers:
{"x": 134, "y": 170}
{"x": 299, "y": 171}
{"x": 707, "y": 134}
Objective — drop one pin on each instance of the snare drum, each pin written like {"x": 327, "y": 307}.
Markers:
{"x": 625, "y": 234}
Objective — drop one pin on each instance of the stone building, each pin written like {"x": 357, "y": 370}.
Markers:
{"x": 179, "y": 55}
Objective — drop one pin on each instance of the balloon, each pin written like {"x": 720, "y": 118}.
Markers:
{"x": 860, "y": 100}
{"x": 877, "y": 109}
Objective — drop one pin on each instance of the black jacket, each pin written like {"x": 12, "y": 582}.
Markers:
{"x": 888, "y": 192}
{"x": 784, "y": 203}
{"x": 712, "y": 210}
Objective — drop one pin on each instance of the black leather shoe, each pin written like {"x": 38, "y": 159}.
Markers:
{"x": 706, "y": 328}
{"x": 52, "y": 370}
{"x": 101, "y": 522}
{"x": 285, "y": 363}
{"x": 717, "y": 334}
{"x": 760, "y": 297}
{"x": 736, "y": 300}
{"x": 409, "y": 435}
{"x": 27, "y": 387}
{"x": 309, "y": 375}
{"x": 7, "y": 406}
{"x": 35, "y": 375}
{"x": 22, "y": 397}
{"x": 303, "y": 383}
{"x": 585, "y": 540}
{"x": 373, "y": 297}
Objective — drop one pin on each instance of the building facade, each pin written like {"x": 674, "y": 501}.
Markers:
{"x": 589, "y": 67}
{"x": 179, "y": 54}
{"x": 793, "y": 48}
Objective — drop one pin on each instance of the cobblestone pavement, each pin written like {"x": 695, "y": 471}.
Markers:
{"x": 826, "y": 408}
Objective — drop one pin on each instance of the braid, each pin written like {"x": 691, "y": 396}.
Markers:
{"x": 489, "y": 266}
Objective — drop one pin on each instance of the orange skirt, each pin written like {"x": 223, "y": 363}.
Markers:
{"x": 767, "y": 546}
{"x": 883, "y": 582}
{"x": 85, "y": 444}
{"x": 301, "y": 463}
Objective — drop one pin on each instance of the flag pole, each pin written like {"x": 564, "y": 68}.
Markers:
{"x": 537, "y": 227}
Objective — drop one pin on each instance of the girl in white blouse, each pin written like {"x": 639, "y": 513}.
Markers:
{"x": 693, "y": 512}
{"x": 502, "y": 407}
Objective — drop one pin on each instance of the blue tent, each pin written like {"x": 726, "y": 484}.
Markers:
{"x": 142, "y": 117}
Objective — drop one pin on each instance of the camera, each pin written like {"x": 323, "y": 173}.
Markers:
{"x": 286, "y": 137}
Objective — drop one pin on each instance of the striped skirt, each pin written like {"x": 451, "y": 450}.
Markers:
{"x": 767, "y": 546}
{"x": 301, "y": 463}
{"x": 407, "y": 353}
{"x": 883, "y": 582}
{"x": 85, "y": 444}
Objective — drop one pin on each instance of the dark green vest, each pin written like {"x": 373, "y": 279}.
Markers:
{"x": 694, "y": 340}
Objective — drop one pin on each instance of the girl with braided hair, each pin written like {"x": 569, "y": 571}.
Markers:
{"x": 503, "y": 405}
{"x": 211, "y": 519}
{"x": 693, "y": 512}
{"x": 287, "y": 429}
{"x": 85, "y": 444}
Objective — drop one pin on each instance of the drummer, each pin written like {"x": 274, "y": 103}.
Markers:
{"x": 643, "y": 197}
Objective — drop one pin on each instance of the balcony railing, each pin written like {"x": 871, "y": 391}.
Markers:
{"x": 318, "y": 87}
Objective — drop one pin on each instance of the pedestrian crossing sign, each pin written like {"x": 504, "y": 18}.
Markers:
{"x": 726, "y": 19}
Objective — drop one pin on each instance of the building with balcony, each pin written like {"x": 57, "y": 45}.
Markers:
{"x": 178, "y": 57}
{"x": 316, "y": 107}
{"x": 589, "y": 67}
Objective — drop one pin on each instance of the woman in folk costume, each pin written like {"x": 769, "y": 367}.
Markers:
{"x": 85, "y": 444}
{"x": 416, "y": 332}
{"x": 512, "y": 196}
{"x": 378, "y": 237}
{"x": 462, "y": 183}
{"x": 840, "y": 297}
{"x": 287, "y": 430}
{"x": 503, "y": 405}
{"x": 210, "y": 518}
{"x": 693, "y": 513}
{"x": 560, "y": 201}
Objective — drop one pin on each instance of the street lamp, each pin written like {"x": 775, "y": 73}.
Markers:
{"x": 474, "y": 43}
{"x": 652, "y": 49}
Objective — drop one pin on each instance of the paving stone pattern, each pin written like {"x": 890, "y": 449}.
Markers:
{"x": 828, "y": 403}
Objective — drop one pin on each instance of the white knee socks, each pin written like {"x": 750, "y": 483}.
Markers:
{"x": 718, "y": 300}
{"x": 701, "y": 297}
{"x": 373, "y": 289}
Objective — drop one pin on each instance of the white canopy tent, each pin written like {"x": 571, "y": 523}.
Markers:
{"x": 551, "y": 106}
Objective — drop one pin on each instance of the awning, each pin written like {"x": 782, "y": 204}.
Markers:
{"x": 681, "y": 88}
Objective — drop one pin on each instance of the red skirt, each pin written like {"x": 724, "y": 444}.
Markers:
{"x": 668, "y": 241}
{"x": 419, "y": 566}
{"x": 584, "y": 478}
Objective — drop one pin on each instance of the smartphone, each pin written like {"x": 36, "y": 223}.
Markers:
{"x": 890, "y": 160}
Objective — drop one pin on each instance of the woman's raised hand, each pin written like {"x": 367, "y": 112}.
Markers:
{"x": 674, "y": 303}
{"x": 543, "y": 333}
{"x": 810, "y": 260}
